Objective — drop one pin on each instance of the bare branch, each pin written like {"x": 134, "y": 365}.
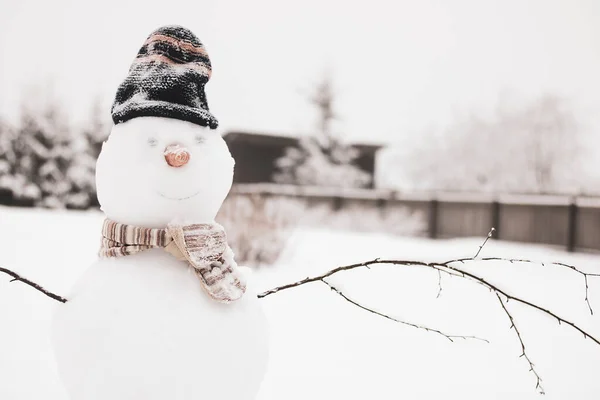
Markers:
{"x": 543, "y": 310}
{"x": 587, "y": 300}
{"x": 443, "y": 267}
{"x": 316, "y": 278}
{"x": 17, "y": 277}
{"x": 538, "y": 384}
{"x": 489, "y": 235}
{"x": 449, "y": 268}
{"x": 439, "y": 284}
{"x": 560, "y": 264}
{"x": 449, "y": 337}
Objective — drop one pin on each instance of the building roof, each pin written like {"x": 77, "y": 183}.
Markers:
{"x": 282, "y": 141}
{"x": 259, "y": 138}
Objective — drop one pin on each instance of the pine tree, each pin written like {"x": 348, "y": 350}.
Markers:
{"x": 323, "y": 159}
{"x": 6, "y": 160}
{"x": 41, "y": 149}
{"x": 87, "y": 146}
{"x": 43, "y": 161}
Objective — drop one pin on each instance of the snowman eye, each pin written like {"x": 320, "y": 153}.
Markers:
{"x": 152, "y": 142}
{"x": 199, "y": 139}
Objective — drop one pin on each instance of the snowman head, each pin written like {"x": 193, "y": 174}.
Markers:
{"x": 153, "y": 170}
{"x": 163, "y": 159}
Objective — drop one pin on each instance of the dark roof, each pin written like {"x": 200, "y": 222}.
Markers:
{"x": 259, "y": 138}
{"x": 281, "y": 141}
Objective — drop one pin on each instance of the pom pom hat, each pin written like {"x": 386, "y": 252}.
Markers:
{"x": 167, "y": 79}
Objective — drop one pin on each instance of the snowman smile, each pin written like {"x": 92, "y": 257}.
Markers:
{"x": 178, "y": 198}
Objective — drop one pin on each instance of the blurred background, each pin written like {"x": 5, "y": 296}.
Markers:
{"x": 400, "y": 129}
{"x": 406, "y": 117}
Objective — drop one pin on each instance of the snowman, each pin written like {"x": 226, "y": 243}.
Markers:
{"x": 165, "y": 312}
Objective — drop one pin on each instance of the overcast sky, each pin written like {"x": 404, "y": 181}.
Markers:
{"x": 399, "y": 66}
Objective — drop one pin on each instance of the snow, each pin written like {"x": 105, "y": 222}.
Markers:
{"x": 323, "y": 347}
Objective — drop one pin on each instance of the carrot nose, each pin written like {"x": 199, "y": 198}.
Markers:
{"x": 176, "y": 155}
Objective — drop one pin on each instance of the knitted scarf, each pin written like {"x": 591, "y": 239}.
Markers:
{"x": 203, "y": 246}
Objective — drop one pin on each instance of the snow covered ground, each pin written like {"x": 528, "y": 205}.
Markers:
{"x": 323, "y": 347}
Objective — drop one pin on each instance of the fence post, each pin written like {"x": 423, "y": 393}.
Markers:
{"x": 338, "y": 203}
{"x": 496, "y": 218}
{"x": 572, "y": 232}
{"x": 433, "y": 218}
{"x": 381, "y": 205}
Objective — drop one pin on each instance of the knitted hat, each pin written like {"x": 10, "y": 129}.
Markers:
{"x": 167, "y": 79}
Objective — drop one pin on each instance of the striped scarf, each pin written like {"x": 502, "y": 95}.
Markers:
{"x": 203, "y": 246}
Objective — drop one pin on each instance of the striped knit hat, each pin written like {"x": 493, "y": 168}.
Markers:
{"x": 167, "y": 79}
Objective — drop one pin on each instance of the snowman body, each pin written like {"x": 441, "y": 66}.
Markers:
{"x": 140, "y": 327}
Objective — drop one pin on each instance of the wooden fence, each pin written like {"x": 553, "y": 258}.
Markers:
{"x": 570, "y": 222}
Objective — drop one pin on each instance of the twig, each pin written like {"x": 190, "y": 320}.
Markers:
{"x": 585, "y": 275}
{"x": 497, "y": 290}
{"x": 587, "y": 300}
{"x": 17, "y": 277}
{"x": 316, "y": 278}
{"x": 443, "y": 267}
{"x": 439, "y": 284}
{"x": 489, "y": 235}
{"x": 585, "y": 281}
{"x": 449, "y": 337}
{"x": 538, "y": 383}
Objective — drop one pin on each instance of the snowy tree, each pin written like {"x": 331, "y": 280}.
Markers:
{"x": 44, "y": 161}
{"x": 87, "y": 145}
{"x": 5, "y": 145}
{"x": 532, "y": 148}
{"x": 6, "y": 159}
{"x": 323, "y": 159}
{"x": 42, "y": 154}
{"x": 551, "y": 140}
